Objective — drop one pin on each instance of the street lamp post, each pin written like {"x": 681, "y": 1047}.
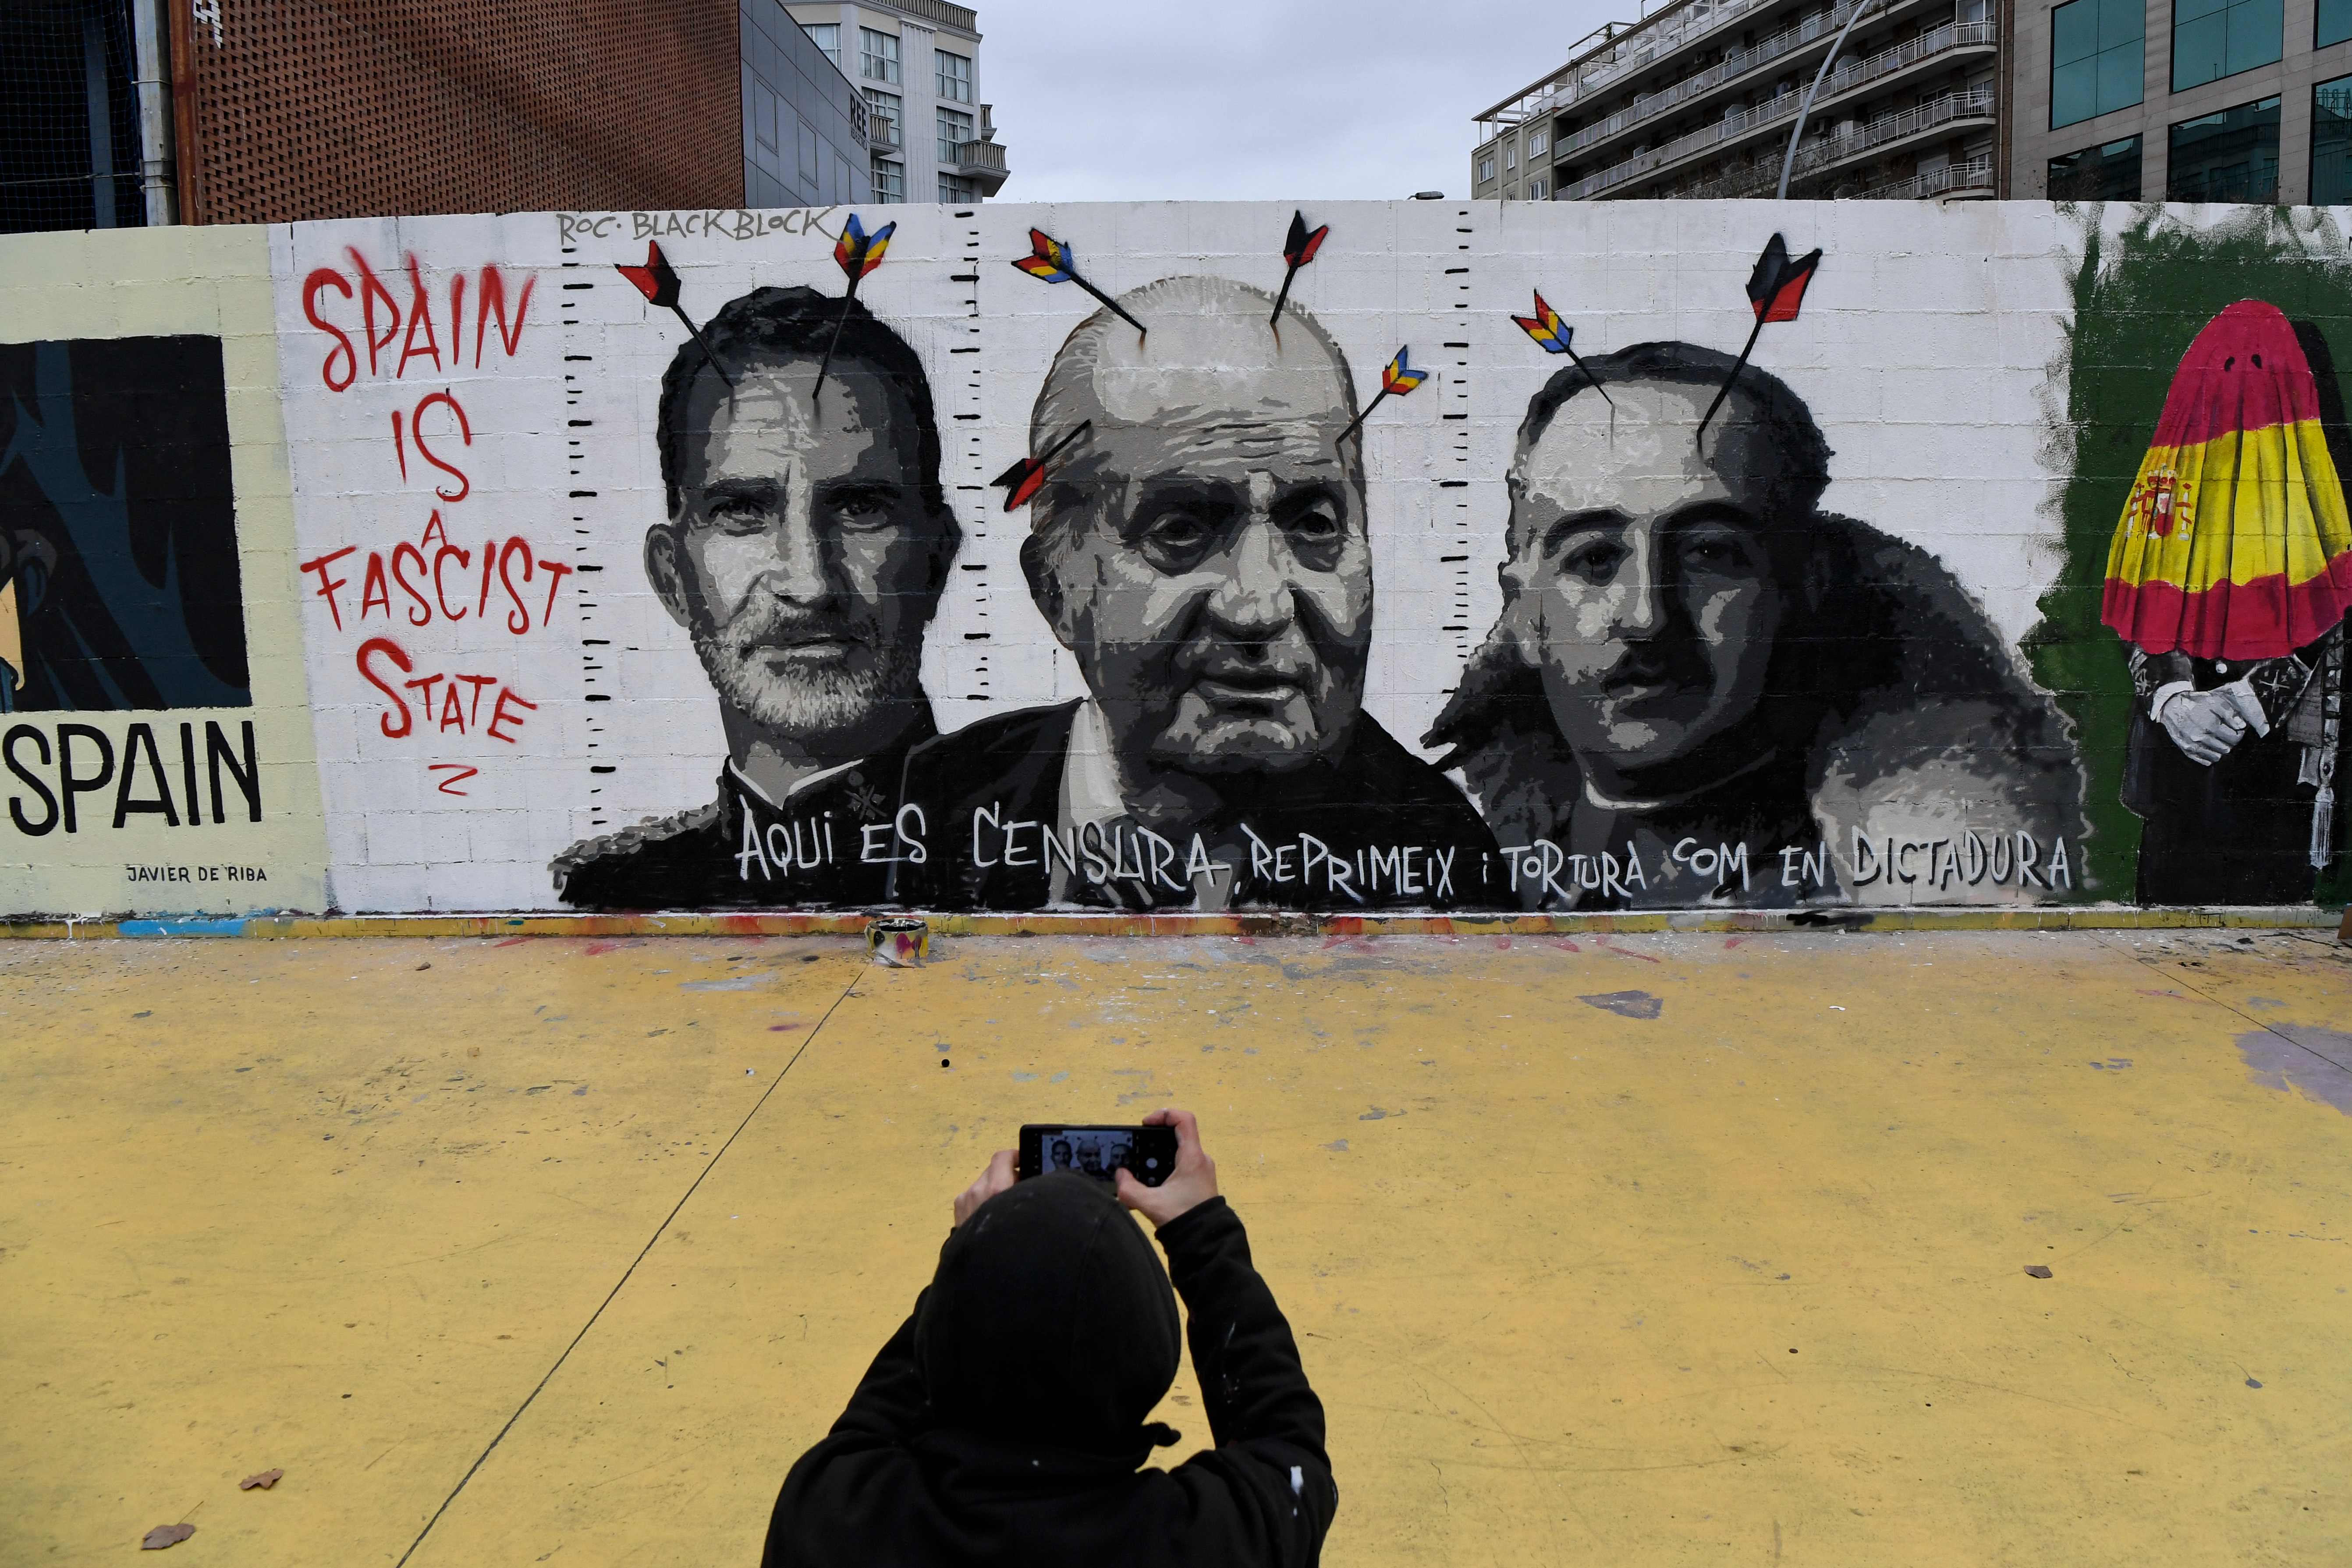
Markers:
{"x": 1789, "y": 162}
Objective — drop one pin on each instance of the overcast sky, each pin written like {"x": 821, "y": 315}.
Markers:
{"x": 1276, "y": 99}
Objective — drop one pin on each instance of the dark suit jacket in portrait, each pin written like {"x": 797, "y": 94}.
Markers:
{"x": 828, "y": 843}
{"x": 1376, "y": 827}
{"x": 2241, "y": 831}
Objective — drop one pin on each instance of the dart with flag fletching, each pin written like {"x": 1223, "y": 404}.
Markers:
{"x": 1050, "y": 261}
{"x": 1775, "y": 292}
{"x": 858, "y": 254}
{"x": 657, "y": 281}
{"x": 1553, "y": 335}
{"x": 1297, "y": 250}
{"x": 1025, "y": 478}
{"x": 1398, "y": 378}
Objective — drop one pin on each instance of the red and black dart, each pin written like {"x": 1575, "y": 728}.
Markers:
{"x": 657, "y": 281}
{"x": 1776, "y": 292}
{"x": 1297, "y": 250}
{"x": 1025, "y": 478}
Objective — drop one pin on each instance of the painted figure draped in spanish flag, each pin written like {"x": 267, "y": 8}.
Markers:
{"x": 2230, "y": 575}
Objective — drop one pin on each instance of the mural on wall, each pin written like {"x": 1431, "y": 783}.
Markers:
{"x": 119, "y": 585}
{"x": 805, "y": 549}
{"x": 1279, "y": 564}
{"x": 1204, "y": 552}
{"x": 2230, "y": 577}
{"x": 1702, "y": 682}
{"x": 2195, "y": 631}
{"x": 120, "y": 591}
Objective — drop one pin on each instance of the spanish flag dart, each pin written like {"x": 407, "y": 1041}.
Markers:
{"x": 657, "y": 281}
{"x": 2233, "y": 541}
{"x": 1775, "y": 292}
{"x": 857, "y": 253}
{"x": 1050, "y": 261}
{"x": 1399, "y": 376}
{"x": 1025, "y": 478}
{"x": 1297, "y": 250}
{"x": 1554, "y": 335}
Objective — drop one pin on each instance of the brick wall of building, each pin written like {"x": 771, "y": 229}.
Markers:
{"x": 301, "y": 109}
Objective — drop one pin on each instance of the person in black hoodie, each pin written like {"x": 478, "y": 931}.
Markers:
{"x": 1004, "y": 1422}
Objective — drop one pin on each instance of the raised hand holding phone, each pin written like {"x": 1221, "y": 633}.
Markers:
{"x": 986, "y": 1185}
{"x": 1193, "y": 1182}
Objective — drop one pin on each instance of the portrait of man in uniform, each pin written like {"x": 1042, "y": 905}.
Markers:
{"x": 805, "y": 547}
{"x": 1202, "y": 549}
{"x": 1702, "y": 684}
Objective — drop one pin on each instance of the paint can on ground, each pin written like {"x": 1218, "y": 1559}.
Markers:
{"x": 900, "y": 941}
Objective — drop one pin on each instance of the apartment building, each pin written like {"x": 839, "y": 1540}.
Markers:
{"x": 929, "y": 136}
{"x": 1698, "y": 97}
{"x": 2185, "y": 100}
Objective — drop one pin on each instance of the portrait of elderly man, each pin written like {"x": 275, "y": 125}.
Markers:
{"x": 805, "y": 547}
{"x": 1202, "y": 550}
{"x": 1703, "y": 689}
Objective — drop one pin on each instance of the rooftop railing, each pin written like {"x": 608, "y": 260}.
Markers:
{"x": 961, "y": 16}
{"x": 1634, "y": 45}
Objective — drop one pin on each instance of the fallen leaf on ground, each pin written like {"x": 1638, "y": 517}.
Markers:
{"x": 2040, "y": 1271}
{"x": 164, "y": 1535}
{"x": 264, "y": 1482}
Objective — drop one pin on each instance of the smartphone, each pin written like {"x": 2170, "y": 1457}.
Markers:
{"x": 1098, "y": 1152}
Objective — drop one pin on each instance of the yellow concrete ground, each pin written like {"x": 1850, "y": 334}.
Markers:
{"x": 1739, "y": 1283}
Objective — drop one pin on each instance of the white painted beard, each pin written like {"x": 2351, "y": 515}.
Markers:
{"x": 819, "y": 700}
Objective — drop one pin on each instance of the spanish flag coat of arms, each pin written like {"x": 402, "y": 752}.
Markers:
{"x": 2234, "y": 542}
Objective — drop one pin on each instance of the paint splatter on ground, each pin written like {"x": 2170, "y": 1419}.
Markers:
{"x": 2313, "y": 1062}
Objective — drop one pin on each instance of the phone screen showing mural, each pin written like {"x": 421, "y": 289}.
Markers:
{"x": 1098, "y": 1151}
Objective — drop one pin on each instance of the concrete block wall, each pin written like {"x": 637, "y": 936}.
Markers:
{"x": 1233, "y": 655}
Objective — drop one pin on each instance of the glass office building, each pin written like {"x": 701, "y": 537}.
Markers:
{"x": 804, "y": 123}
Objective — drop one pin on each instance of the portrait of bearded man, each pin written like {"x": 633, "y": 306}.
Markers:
{"x": 806, "y": 544}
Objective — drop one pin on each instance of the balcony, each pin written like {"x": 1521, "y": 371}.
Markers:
{"x": 882, "y": 132}
{"x": 1881, "y": 135}
{"x": 983, "y": 164}
{"x": 1970, "y": 178}
{"x": 1737, "y": 63}
{"x": 1934, "y": 47}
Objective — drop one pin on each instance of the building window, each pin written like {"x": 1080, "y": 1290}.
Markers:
{"x": 1510, "y": 156}
{"x": 877, "y": 55}
{"x": 1485, "y": 168}
{"x": 2331, "y": 143}
{"x": 2094, "y": 57}
{"x": 2335, "y": 24}
{"x": 827, "y": 37}
{"x": 885, "y": 119}
{"x": 955, "y": 126}
{"x": 2107, "y": 173}
{"x": 1538, "y": 188}
{"x": 957, "y": 190}
{"x": 890, "y": 180}
{"x": 955, "y": 76}
{"x": 1537, "y": 142}
{"x": 2232, "y": 156}
{"x": 2214, "y": 39}
{"x": 1511, "y": 192}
